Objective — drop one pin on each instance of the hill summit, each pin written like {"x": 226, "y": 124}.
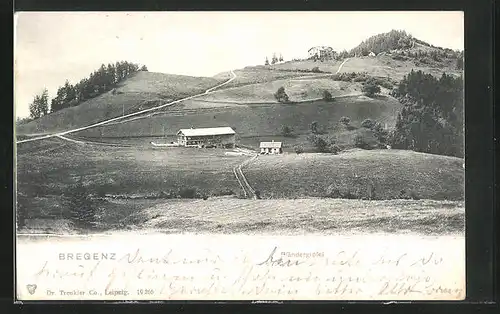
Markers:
{"x": 397, "y": 40}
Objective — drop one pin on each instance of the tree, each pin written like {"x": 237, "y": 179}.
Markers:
{"x": 266, "y": 62}
{"x": 44, "y": 102}
{"x": 345, "y": 121}
{"x": 316, "y": 70}
{"x": 144, "y": 68}
{"x": 432, "y": 117}
{"x": 327, "y": 95}
{"x": 274, "y": 59}
{"x": 69, "y": 95}
{"x": 319, "y": 143}
{"x": 460, "y": 63}
{"x": 281, "y": 95}
{"x": 281, "y": 57}
{"x": 286, "y": 131}
{"x": 370, "y": 89}
{"x": 39, "y": 105}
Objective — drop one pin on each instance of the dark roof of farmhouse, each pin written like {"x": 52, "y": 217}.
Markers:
{"x": 207, "y": 131}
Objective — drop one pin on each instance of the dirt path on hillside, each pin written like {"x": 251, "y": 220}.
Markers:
{"x": 248, "y": 191}
{"x": 341, "y": 65}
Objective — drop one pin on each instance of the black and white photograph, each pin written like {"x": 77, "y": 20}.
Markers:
{"x": 239, "y": 155}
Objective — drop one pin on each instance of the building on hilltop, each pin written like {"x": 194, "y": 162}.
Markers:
{"x": 222, "y": 137}
{"x": 271, "y": 147}
{"x": 321, "y": 52}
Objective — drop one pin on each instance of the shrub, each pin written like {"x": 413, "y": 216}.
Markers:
{"x": 327, "y": 95}
{"x": 223, "y": 192}
{"x": 319, "y": 143}
{"x": 333, "y": 192}
{"x": 345, "y": 120}
{"x": 371, "y": 191}
{"x": 359, "y": 141}
{"x": 314, "y": 127}
{"x": 316, "y": 70}
{"x": 286, "y": 131}
{"x": 83, "y": 211}
{"x": 281, "y": 95}
{"x": 368, "y": 123}
{"x": 187, "y": 192}
{"x": 348, "y": 195}
{"x": 298, "y": 149}
{"x": 370, "y": 89}
{"x": 380, "y": 133}
{"x": 334, "y": 148}
{"x": 360, "y": 77}
{"x": 257, "y": 194}
{"x": 413, "y": 195}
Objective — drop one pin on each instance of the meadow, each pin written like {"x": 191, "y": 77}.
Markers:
{"x": 297, "y": 89}
{"x": 353, "y": 172}
{"x": 47, "y": 172}
{"x": 256, "y": 120}
{"x": 141, "y": 91}
{"x": 302, "y": 216}
{"x": 258, "y": 74}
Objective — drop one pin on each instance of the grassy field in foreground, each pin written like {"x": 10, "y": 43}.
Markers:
{"x": 141, "y": 91}
{"x": 388, "y": 171}
{"x": 46, "y": 172}
{"x": 226, "y": 215}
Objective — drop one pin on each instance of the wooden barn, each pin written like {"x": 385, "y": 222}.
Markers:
{"x": 222, "y": 137}
{"x": 271, "y": 147}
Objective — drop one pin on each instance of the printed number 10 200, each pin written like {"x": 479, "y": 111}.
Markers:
{"x": 145, "y": 291}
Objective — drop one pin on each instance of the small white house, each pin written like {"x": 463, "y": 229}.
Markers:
{"x": 271, "y": 147}
{"x": 371, "y": 54}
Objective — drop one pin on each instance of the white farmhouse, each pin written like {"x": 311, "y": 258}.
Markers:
{"x": 271, "y": 147}
{"x": 224, "y": 137}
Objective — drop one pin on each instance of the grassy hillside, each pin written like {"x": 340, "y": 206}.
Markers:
{"x": 46, "y": 171}
{"x": 388, "y": 171}
{"x": 257, "y": 74}
{"x": 298, "y": 89}
{"x": 257, "y": 120}
{"x": 386, "y": 66}
{"x": 330, "y": 66}
{"x": 141, "y": 91}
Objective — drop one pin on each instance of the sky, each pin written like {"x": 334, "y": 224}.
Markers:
{"x": 50, "y": 47}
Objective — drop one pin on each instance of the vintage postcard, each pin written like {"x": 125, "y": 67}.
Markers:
{"x": 239, "y": 156}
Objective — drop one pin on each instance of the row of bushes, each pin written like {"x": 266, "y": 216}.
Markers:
{"x": 371, "y": 194}
{"x": 184, "y": 193}
{"x": 314, "y": 70}
{"x": 364, "y": 77}
{"x": 351, "y": 76}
